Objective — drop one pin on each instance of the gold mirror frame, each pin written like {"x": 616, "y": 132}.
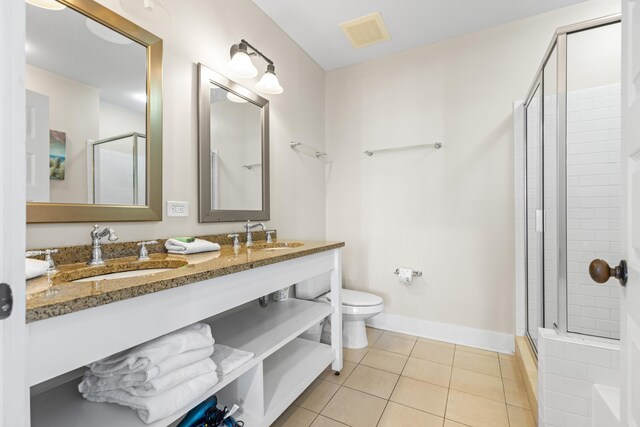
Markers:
{"x": 77, "y": 212}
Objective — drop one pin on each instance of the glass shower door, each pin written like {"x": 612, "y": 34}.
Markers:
{"x": 550, "y": 188}
{"x": 593, "y": 163}
{"x": 534, "y": 215}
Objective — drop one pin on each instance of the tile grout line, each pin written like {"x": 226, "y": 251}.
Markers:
{"x": 504, "y": 391}
{"x": 343, "y": 386}
{"x": 397, "y": 381}
{"x": 332, "y": 396}
{"x": 446, "y": 403}
{"x": 314, "y": 418}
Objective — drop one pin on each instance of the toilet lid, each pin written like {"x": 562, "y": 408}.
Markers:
{"x": 358, "y": 299}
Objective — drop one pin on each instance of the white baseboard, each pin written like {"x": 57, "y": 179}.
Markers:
{"x": 480, "y": 338}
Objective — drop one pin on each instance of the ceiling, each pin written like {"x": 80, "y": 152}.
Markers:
{"x": 314, "y": 24}
{"x": 61, "y": 42}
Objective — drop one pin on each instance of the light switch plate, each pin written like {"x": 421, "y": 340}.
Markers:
{"x": 177, "y": 208}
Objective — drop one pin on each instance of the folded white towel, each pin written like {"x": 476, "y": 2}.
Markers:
{"x": 35, "y": 267}
{"x": 153, "y": 408}
{"x": 157, "y": 385}
{"x": 144, "y": 356}
{"x": 198, "y": 245}
{"x": 161, "y": 384}
{"x": 96, "y": 383}
{"x": 228, "y": 359}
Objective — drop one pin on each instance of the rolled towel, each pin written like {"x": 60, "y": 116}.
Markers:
{"x": 144, "y": 356}
{"x": 34, "y": 267}
{"x": 94, "y": 383}
{"x": 153, "y": 408}
{"x": 228, "y": 359}
{"x": 198, "y": 245}
{"x": 159, "y": 384}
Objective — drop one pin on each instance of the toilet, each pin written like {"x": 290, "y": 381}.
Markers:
{"x": 357, "y": 307}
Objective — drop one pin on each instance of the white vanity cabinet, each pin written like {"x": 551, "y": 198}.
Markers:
{"x": 283, "y": 365}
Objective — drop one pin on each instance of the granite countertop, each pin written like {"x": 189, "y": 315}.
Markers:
{"x": 55, "y": 295}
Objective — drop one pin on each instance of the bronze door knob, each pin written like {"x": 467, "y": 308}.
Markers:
{"x": 601, "y": 272}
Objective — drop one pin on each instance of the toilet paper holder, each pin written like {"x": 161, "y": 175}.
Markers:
{"x": 415, "y": 272}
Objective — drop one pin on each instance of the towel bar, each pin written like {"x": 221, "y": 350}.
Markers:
{"x": 436, "y": 145}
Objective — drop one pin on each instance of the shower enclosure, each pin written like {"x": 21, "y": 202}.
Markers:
{"x": 118, "y": 163}
{"x": 571, "y": 190}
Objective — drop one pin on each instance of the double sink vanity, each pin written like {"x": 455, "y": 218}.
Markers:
{"x": 81, "y": 314}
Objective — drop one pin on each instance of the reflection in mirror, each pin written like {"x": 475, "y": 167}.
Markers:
{"x": 234, "y": 150}
{"x": 86, "y": 111}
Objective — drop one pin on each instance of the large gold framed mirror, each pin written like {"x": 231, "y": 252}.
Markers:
{"x": 94, "y": 116}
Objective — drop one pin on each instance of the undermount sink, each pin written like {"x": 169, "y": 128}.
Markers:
{"x": 277, "y": 246}
{"x": 118, "y": 269}
{"x": 123, "y": 274}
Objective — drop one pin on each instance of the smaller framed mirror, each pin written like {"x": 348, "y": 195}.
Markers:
{"x": 233, "y": 150}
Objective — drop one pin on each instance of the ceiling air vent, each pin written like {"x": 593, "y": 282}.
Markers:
{"x": 366, "y": 30}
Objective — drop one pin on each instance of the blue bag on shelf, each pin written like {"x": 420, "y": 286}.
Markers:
{"x": 195, "y": 417}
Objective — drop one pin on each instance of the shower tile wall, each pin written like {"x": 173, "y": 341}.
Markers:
{"x": 593, "y": 207}
{"x": 567, "y": 369}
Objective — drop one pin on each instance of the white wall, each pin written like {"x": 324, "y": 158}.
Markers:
{"x": 448, "y": 213}
{"x": 203, "y": 31}
{"x": 116, "y": 120}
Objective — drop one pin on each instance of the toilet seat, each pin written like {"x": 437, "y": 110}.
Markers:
{"x": 358, "y": 299}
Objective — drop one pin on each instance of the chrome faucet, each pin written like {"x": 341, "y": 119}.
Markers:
{"x": 96, "y": 243}
{"x": 248, "y": 226}
{"x": 47, "y": 253}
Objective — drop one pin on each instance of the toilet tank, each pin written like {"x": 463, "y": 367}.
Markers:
{"x": 314, "y": 287}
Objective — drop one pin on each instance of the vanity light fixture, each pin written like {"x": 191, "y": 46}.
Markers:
{"x": 47, "y": 4}
{"x": 241, "y": 66}
{"x": 106, "y": 33}
{"x": 240, "y": 63}
{"x": 269, "y": 82}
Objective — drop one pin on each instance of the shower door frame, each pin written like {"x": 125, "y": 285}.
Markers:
{"x": 559, "y": 43}
{"x": 538, "y": 84}
{"x": 134, "y": 152}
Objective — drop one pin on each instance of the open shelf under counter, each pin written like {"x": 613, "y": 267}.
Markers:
{"x": 289, "y": 371}
{"x": 263, "y": 331}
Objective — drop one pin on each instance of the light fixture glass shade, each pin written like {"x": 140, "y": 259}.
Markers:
{"x": 241, "y": 65}
{"x": 106, "y": 33}
{"x": 47, "y": 4}
{"x": 269, "y": 82}
{"x": 235, "y": 98}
